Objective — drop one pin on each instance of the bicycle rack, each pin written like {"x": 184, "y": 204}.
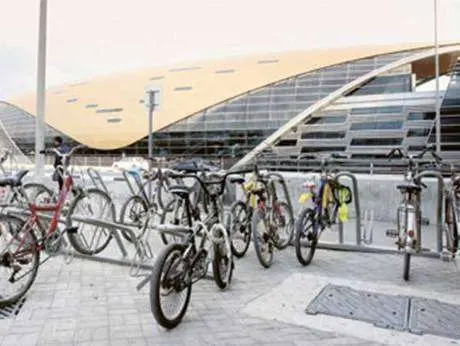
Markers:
{"x": 367, "y": 227}
{"x": 97, "y": 181}
{"x": 355, "y": 192}
{"x": 126, "y": 177}
{"x": 439, "y": 209}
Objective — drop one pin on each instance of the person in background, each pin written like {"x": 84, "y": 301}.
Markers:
{"x": 58, "y": 169}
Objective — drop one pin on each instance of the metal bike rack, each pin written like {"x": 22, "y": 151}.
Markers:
{"x": 126, "y": 178}
{"x": 440, "y": 202}
{"x": 97, "y": 181}
{"x": 355, "y": 191}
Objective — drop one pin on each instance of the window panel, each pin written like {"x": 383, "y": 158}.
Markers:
{"x": 418, "y": 132}
{"x": 323, "y": 135}
{"x": 376, "y": 141}
{"x": 322, "y": 149}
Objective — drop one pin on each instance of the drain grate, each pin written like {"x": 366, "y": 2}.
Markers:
{"x": 385, "y": 311}
{"x": 12, "y": 309}
{"x": 434, "y": 317}
{"x": 412, "y": 314}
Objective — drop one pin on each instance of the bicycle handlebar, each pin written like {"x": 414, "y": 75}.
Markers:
{"x": 62, "y": 155}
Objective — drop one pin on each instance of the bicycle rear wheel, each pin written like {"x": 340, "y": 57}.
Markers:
{"x": 19, "y": 259}
{"x": 93, "y": 204}
{"x": 284, "y": 225}
{"x": 222, "y": 262}
{"x": 132, "y": 213}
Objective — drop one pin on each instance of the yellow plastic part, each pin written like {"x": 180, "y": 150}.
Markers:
{"x": 304, "y": 197}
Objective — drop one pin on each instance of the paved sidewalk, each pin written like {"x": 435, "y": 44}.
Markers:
{"x": 90, "y": 303}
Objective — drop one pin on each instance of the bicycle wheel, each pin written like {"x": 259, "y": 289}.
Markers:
{"x": 19, "y": 259}
{"x": 92, "y": 204}
{"x": 406, "y": 266}
{"x": 38, "y": 193}
{"x": 163, "y": 196}
{"x": 169, "y": 291}
{"x": 261, "y": 239}
{"x": 306, "y": 237}
{"x": 240, "y": 229}
{"x": 132, "y": 213}
{"x": 222, "y": 262}
{"x": 174, "y": 214}
{"x": 284, "y": 225}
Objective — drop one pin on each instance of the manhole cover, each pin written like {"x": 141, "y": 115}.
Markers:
{"x": 383, "y": 310}
{"x": 11, "y": 310}
{"x": 434, "y": 317}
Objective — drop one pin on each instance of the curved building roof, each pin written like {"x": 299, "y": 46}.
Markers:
{"x": 107, "y": 112}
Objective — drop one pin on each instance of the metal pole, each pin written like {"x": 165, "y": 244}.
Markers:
{"x": 436, "y": 54}
{"x": 150, "y": 145}
{"x": 41, "y": 90}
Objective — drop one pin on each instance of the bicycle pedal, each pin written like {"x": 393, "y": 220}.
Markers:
{"x": 71, "y": 230}
{"x": 392, "y": 233}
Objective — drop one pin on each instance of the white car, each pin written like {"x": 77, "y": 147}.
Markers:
{"x": 131, "y": 163}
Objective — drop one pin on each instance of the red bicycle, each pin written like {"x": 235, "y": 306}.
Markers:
{"x": 22, "y": 239}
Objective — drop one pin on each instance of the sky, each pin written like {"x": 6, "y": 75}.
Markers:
{"x": 94, "y": 37}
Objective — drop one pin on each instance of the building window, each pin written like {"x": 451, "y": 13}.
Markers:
{"x": 114, "y": 120}
{"x": 322, "y": 149}
{"x": 110, "y": 110}
{"x": 157, "y": 78}
{"x": 382, "y": 125}
{"x": 377, "y": 110}
{"x": 337, "y": 119}
{"x": 376, "y": 141}
{"x": 184, "y": 88}
{"x": 323, "y": 135}
{"x": 287, "y": 143}
{"x": 72, "y": 100}
{"x": 421, "y": 116}
{"x": 91, "y": 105}
{"x": 272, "y": 61}
{"x": 225, "y": 71}
{"x": 180, "y": 69}
{"x": 418, "y": 132}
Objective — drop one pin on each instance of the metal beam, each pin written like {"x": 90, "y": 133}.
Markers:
{"x": 436, "y": 58}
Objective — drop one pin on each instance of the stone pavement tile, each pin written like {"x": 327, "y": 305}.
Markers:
{"x": 90, "y": 334}
{"x": 128, "y": 331}
{"x": 93, "y": 343}
{"x": 170, "y": 340}
{"x": 50, "y": 336}
{"x": 129, "y": 341}
{"x": 21, "y": 339}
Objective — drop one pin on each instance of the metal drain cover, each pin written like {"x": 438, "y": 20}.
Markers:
{"x": 434, "y": 317}
{"x": 12, "y": 309}
{"x": 383, "y": 310}
{"x": 412, "y": 314}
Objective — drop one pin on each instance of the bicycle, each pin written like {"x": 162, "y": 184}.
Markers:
{"x": 409, "y": 216}
{"x": 22, "y": 240}
{"x": 327, "y": 202}
{"x": 180, "y": 265}
{"x": 270, "y": 221}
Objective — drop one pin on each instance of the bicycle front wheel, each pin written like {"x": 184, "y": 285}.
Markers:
{"x": 169, "y": 293}
{"x": 240, "y": 229}
{"x": 306, "y": 237}
{"x": 284, "y": 225}
{"x": 132, "y": 213}
{"x": 222, "y": 262}
{"x": 93, "y": 204}
{"x": 19, "y": 259}
{"x": 261, "y": 239}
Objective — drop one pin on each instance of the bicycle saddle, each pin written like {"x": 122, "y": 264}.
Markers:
{"x": 409, "y": 187}
{"x": 181, "y": 191}
{"x": 15, "y": 180}
{"x": 237, "y": 180}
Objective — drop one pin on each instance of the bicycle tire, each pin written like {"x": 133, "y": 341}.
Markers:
{"x": 406, "y": 266}
{"x": 257, "y": 218}
{"x": 305, "y": 216}
{"x": 289, "y": 224}
{"x": 156, "y": 285}
{"x": 9, "y": 219}
{"x": 42, "y": 190}
{"x": 222, "y": 251}
{"x": 137, "y": 200}
{"x": 75, "y": 238}
{"x": 246, "y": 232}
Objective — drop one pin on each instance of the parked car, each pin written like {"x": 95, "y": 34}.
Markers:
{"x": 131, "y": 163}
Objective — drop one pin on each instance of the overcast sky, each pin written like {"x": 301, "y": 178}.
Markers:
{"x": 92, "y": 37}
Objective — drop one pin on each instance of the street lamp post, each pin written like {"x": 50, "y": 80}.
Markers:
{"x": 41, "y": 92}
{"x": 436, "y": 57}
{"x": 152, "y": 104}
